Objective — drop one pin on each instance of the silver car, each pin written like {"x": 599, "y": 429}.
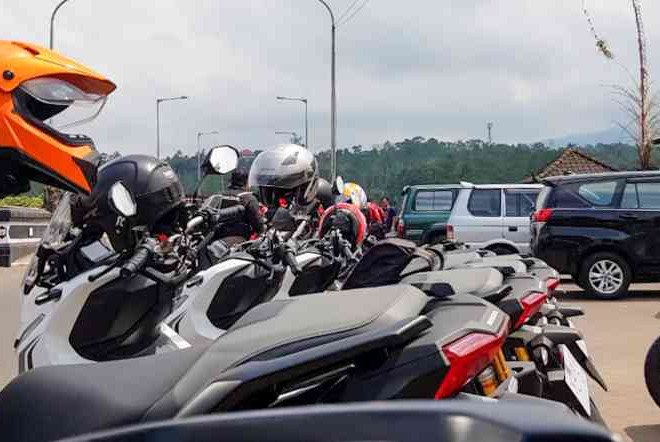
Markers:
{"x": 493, "y": 216}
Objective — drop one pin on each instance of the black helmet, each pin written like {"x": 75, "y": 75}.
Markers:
{"x": 324, "y": 193}
{"x": 288, "y": 171}
{"x": 157, "y": 192}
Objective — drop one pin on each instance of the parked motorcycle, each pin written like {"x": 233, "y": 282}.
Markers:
{"x": 365, "y": 344}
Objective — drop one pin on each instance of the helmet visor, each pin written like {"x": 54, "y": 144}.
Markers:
{"x": 60, "y": 104}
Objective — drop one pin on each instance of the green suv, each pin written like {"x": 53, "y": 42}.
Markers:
{"x": 425, "y": 210}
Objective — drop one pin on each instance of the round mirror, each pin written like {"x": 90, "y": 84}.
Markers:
{"x": 223, "y": 159}
{"x": 121, "y": 199}
{"x": 339, "y": 185}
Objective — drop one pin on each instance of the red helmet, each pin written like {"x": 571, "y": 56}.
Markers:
{"x": 354, "y": 231}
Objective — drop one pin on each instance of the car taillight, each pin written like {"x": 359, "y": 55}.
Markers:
{"x": 451, "y": 236}
{"x": 531, "y": 304}
{"x": 468, "y": 356}
{"x": 401, "y": 228}
{"x": 542, "y": 215}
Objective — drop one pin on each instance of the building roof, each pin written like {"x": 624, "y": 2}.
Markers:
{"x": 573, "y": 161}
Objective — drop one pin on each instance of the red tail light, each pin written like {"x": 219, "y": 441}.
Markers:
{"x": 401, "y": 228}
{"x": 468, "y": 356}
{"x": 451, "y": 236}
{"x": 552, "y": 284}
{"x": 542, "y": 215}
{"x": 531, "y": 304}
{"x": 283, "y": 203}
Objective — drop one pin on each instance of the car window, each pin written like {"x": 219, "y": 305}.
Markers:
{"x": 485, "y": 202}
{"x": 519, "y": 203}
{"x": 599, "y": 193}
{"x": 649, "y": 195}
{"x": 433, "y": 200}
{"x": 629, "y": 198}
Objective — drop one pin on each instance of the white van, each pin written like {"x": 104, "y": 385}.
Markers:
{"x": 493, "y": 216}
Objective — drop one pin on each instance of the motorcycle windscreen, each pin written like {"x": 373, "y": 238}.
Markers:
{"x": 53, "y": 237}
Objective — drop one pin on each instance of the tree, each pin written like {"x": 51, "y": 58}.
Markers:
{"x": 637, "y": 102}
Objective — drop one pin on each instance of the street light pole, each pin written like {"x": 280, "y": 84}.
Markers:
{"x": 286, "y": 132}
{"x": 333, "y": 98}
{"x": 158, "y": 101}
{"x": 199, "y": 152}
{"x": 51, "y": 41}
{"x": 304, "y": 101}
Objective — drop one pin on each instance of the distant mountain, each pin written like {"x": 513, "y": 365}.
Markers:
{"x": 609, "y": 136}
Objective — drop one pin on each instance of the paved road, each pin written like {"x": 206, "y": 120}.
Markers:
{"x": 618, "y": 334}
{"x": 9, "y": 319}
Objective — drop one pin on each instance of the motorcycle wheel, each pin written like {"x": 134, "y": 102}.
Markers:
{"x": 652, "y": 371}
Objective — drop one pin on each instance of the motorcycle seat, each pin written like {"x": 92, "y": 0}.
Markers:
{"x": 53, "y": 402}
{"x": 479, "y": 282}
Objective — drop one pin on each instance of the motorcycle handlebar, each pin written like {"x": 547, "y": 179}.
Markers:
{"x": 138, "y": 261}
{"x": 234, "y": 213}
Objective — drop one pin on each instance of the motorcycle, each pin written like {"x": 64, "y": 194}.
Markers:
{"x": 652, "y": 371}
{"x": 518, "y": 419}
{"x": 357, "y": 345}
{"x": 82, "y": 302}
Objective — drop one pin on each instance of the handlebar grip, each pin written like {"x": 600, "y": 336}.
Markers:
{"x": 234, "y": 213}
{"x": 289, "y": 258}
{"x": 194, "y": 223}
{"x": 136, "y": 263}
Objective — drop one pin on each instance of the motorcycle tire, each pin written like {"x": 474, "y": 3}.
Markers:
{"x": 652, "y": 371}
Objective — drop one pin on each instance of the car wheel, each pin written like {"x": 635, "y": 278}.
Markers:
{"x": 502, "y": 250}
{"x": 652, "y": 371}
{"x": 605, "y": 275}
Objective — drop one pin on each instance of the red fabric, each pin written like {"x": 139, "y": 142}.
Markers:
{"x": 376, "y": 214}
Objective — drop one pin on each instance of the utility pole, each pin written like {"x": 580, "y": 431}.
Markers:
{"x": 489, "y": 125}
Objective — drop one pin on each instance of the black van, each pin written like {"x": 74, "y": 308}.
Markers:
{"x": 603, "y": 229}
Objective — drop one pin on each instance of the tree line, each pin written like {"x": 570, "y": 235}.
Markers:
{"x": 383, "y": 170}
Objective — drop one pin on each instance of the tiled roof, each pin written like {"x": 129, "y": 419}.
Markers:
{"x": 572, "y": 161}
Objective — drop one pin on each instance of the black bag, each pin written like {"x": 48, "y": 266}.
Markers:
{"x": 387, "y": 262}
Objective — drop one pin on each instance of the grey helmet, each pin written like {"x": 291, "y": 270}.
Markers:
{"x": 287, "y": 171}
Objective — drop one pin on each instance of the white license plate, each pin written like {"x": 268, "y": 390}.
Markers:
{"x": 576, "y": 379}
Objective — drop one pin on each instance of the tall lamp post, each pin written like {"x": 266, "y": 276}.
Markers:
{"x": 304, "y": 101}
{"x": 333, "y": 98}
{"x": 158, "y": 101}
{"x": 199, "y": 152}
{"x": 51, "y": 41}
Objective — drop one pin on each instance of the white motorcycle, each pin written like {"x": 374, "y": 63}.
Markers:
{"x": 82, "y": 302}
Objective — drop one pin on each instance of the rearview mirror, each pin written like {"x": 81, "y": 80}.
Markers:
{"x": 339, "y": 185}
{"x": 221, "y": 160}
{"x": 121, "y": 200}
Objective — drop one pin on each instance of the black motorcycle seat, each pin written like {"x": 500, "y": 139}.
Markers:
{"x": 54, "y": 402}
{"x": 474, "y": 281}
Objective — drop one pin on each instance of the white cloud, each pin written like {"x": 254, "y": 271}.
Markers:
{"x": 421, "y": 67}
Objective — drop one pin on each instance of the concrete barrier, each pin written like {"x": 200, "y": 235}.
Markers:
{"x": 21, "y": 229}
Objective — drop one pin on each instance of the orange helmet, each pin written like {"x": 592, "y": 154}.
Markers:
{"x": 42, "y": 94}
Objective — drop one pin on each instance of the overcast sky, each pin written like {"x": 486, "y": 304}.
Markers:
{"x": 435, "y": 68}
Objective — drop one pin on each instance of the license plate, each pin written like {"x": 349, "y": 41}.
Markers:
{"x": 576, "y": 379}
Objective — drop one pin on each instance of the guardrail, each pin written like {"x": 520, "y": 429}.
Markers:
{"x": 21, "y": 229}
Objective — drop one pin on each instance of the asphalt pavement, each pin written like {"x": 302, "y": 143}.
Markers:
{"x": 618, "y": 334}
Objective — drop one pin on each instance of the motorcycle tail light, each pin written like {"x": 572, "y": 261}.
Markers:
{"x": 552, "y": 284}
{"x": 531, "y": 304}
{"x": 468, "y": 356}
